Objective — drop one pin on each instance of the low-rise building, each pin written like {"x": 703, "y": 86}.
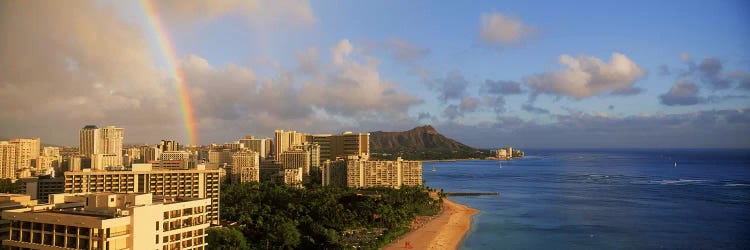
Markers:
{"x": 12, "y": 201}
{"x": 142, "y": 178}
{"x": 39, "y": 188}
{"x": 110, "y": 221}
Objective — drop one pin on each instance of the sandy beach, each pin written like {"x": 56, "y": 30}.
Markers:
{"x": 443, "y": 232}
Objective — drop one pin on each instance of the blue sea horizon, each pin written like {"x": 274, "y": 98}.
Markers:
{"x": 605, "y": 199}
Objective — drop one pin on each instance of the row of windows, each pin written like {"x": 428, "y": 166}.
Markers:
{"x": 52, "y": 235}
{"x": 26, "y": 225}
{"x": 189, "y": 222}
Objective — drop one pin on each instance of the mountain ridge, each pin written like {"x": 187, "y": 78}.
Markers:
{"x": 420, "y": 143}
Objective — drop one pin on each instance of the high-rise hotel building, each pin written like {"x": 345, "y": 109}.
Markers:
{"x": 142, "y": 178}
{"x": 110, "y": 221}
{"x": 331, "y": 146}
{"x": 107, "y": 141}
{"x": 340, "y": 146}
{"x": 245, "y": 166}
{"x": 357, "y": 172}
{"x": 285, "y": 140}
{"x": 257, "y": 145}
{"x": 18, "y": 154}
{"x": 27, "y": 150}
{"x": 8, "y": 162}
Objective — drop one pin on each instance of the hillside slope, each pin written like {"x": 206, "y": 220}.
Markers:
{"x": 420, "y": 143}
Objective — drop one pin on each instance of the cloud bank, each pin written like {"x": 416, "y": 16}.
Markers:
{"x": 586, "y": 76}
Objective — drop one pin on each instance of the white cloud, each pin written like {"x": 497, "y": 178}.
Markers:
{"x": 341, "y": 52}
{"x": 353, "y": 87}
{"x": 497, "y": 28}
{"x": 585, "y": 76}
{"x": 69, "y": 65}
{"x": 74, "y": 64}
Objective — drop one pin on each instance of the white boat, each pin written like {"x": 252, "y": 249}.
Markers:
{"x": 675, "y": 164}
{"x": 433, "y": 169}
{"x": 501, "y": 165}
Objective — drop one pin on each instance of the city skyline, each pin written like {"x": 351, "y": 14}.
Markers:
{"x": 532, "y": 74}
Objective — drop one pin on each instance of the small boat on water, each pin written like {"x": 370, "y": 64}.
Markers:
{"x": 675, "y": 164}
{"x": 433, "y": 169}
{"x": 501, "y": 165}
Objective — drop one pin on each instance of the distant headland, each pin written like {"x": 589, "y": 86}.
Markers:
{"x": 427, "y": 144}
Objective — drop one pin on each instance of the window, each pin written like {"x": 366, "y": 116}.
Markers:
{"x": 157, "y": 237}
{"x": 71, "y": 242}
{"x": 59, "y": 240}
{"x": 84, "y": 231}
{"x": 157, "y": 227}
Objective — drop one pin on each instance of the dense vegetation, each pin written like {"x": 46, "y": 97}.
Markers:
{"x": 420, "y": 143}
{"x": 280, "y": 217}
{"x": 8, "y": 186}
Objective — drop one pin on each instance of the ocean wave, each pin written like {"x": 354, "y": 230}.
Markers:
{"x": 672, "y": 182}
{"x": 737, "y": 185}
{"x": 702, "y": 182}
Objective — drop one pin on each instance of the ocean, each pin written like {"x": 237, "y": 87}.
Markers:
{"x": 604, "y": 199}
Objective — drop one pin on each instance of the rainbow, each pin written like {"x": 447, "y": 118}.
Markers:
{"x": 167, "y": 49}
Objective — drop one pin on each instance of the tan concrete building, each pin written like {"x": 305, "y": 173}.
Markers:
{"x": 219, "y": 157}
{"x": 12, "y": 201}
{"x": 170, "y": 158}
{"x": 134, "y": 156}
{"x": 107, "y": 140}
{"x": 269, "y": 170}
{"x": 27, "y": 150}
{"x": 292, "y": 177}
{"x": 195, "y": 183}
{"x": 169, "y": 145}
{"x": 245, "y": 166}
{"x": 45, "y": 163}
{"x": 333, "y": 173}
{"x": 357, "y": 173}
{"x": 51, "y": 151}
{"x": 8, "y": 162}
{"x": 40, "y": 187}
{"x": 257, "y": 145}
{"x": 112, "y": 142}
{"x": 74, "y": 163}
{"x": 105, "y": 161}
{"x": 285, "y": 140}
{"x": 110, "y": 221}
{"x": 343, "y": 145}
{"x": 313, "y": 155}
{"x": 89, "y": 140}
{"x": 295, "y": 158}
{"x": 150, "y": 153}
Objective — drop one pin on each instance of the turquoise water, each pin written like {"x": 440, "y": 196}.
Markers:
{"x": 605, "y": 199}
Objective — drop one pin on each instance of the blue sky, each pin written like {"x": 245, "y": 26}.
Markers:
{"x": 684, "y": 64}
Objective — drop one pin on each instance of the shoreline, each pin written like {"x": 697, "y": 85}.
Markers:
{"x": 445, "y": 231}
{"x": 473, "y": 159}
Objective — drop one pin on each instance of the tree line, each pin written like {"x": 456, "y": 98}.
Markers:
{"x": 274, "y": 216}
